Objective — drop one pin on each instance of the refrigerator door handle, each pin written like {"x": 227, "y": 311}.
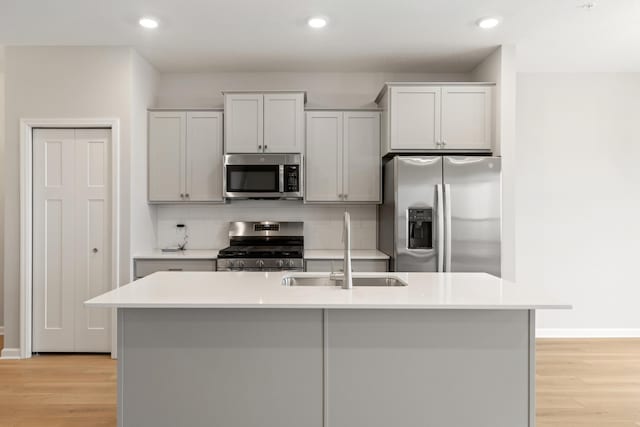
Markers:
{"x": 440, "y": 229}
{"x": 447, "y": 227}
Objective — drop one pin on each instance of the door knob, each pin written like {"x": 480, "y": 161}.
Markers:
{"x": 94, "y": 250}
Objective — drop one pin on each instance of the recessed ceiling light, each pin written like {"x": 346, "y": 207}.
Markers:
{"x": 317, "y": 22}
{"x": 588, "y": 6}
{"x": 148, "y": 23}
{"x": 488, "y": 22}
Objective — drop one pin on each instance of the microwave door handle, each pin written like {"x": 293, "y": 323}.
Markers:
{"x": 281, "y": 178}
{"x": 440, "y": 229}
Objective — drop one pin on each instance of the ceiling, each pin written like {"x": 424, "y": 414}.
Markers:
{"x": 362, "y": 35}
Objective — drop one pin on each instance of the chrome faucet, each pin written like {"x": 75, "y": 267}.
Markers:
{"x": 345, "y": 276}
{"x": 347, "y": 283}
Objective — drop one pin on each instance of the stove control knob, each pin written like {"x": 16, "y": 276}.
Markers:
{"x": 260, "y": 263}
{"x": 231, "y": 263}
{"x": 240, "y": 264}
{"x": 280, "y": 263}
{"x": 290, "y": 263}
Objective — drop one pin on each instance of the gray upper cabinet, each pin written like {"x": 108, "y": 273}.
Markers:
{"x": 166, "y": 162}
{"x": 467, "y": 117}
{"x": 185, "y": 156}
{"x": 431, "y": 117}
{"x": 270, "y": 122}
{"x": 343, "y": 157}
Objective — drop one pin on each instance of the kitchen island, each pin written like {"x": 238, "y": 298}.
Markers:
{"x": 240, "y": 349}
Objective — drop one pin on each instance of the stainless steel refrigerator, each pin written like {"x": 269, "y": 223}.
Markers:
{"x": 441, "y": 213}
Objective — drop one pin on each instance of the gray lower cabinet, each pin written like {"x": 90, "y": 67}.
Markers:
{"x": 252, "y": 367}
{"x": 335, "y": 265}
{"x": 446, "y": 368}
{"x": 220, "y": 368}
{"x": 144, "y": 267}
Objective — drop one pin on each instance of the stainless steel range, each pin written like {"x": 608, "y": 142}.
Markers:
{"x": 263, "y": 246}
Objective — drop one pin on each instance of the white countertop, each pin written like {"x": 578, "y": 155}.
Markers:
{"x": 188, "y": 254}
{"x": 264, "y": 290}
{"x": 339, "y": 254}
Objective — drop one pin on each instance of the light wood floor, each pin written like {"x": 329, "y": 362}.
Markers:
{"x": 588, "y": 382}
{"x": 580, "y": 383}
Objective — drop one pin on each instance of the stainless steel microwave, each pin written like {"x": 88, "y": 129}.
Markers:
{"x": 263, "y": 176}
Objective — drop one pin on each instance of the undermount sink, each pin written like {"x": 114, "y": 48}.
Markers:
{"x": 387, "y": 281}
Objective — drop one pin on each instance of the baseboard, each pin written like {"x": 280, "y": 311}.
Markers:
{"x": 10, "y": 353}
{"x": 587, "y": 333}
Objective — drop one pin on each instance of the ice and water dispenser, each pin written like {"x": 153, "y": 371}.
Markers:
{"x": 420, "y": 228}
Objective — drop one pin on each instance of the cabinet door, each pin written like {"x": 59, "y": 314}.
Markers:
{"x": 204, "y": 157}
{"x": 144, "y": 267}
{"x": 415, "y": 118}
{"x": 243, "y": 122}
{"x": 361, "y": 157}
{"x": 166, "y": 156}
{"x": 467, "y": 116}
{"x": 323, "y": 181}
{"x": 283, "y": 122}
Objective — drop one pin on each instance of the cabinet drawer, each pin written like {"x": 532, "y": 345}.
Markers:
{"x": 146, "y": 267}
{"x": 358, "y": 265}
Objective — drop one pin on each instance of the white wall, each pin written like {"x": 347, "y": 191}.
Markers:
{"x": 323, "y": 89}
{"x": 61, "y": 82}
{"x": 144, "y": 83}
{"x": 578, "y": 199}
{"x": 2, "y": 132}
{"x": 500, "y": 67}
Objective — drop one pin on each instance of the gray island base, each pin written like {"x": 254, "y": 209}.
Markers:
{"x": 246, "y": 367}
{"x": 239, "y": 349}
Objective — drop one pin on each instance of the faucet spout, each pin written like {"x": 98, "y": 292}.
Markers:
{"x": 348, "y": 281}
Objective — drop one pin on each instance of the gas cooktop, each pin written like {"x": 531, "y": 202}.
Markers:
{"x": 263, "y": 246}
{"x": 257, "y": 251}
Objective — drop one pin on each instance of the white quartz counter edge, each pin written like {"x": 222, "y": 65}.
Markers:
{"x": 333, "y": 254}
{"x": 477, "y": 291}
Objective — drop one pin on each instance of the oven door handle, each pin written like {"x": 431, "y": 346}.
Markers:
{"x": 281, "y": 178}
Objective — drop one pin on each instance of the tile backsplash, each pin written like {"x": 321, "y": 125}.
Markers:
{"x": 208, "y": 225}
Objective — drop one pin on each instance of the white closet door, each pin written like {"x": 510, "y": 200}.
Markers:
{"x": 93, "y": 237}
{"x": 53, "y": 240}
{"x": 72, "y": 239}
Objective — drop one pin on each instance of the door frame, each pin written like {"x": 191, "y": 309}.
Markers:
{"x": 26, "y": 215}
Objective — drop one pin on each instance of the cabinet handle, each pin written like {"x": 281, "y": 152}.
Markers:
{"x": 182, "y": 195}
{"x": 175, "y": 269}
{"x": 186, "y": 195}
{"x": 259, "y": 147}
{"x": 444, "y": 142}
{"x": 265, "y": 146}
